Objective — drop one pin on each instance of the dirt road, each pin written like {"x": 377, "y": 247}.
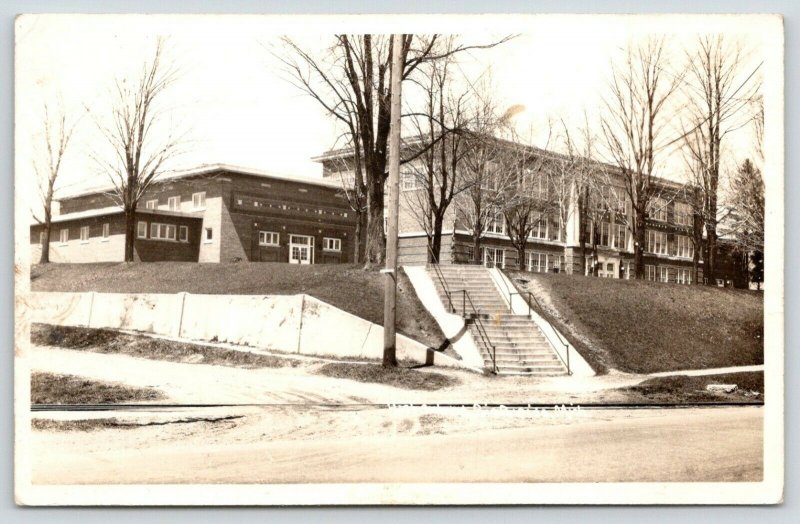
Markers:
{"x": 286, "y": 445}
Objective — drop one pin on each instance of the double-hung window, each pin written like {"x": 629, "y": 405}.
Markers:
{"x": 63, "y": 236}
{"x": 684, "y": 246}
{"x": 199, "y": 201}
{"x": 183, "y": 233}
{"x": 151, "y": 204}
{"x": 141, "y": 229}
{"x": 84, "y": 234}
{"x": 268, "y": 238}
{"x": 650, "y": 272}
{"x": 162, "y": 231}
{"x": 496, "y": 223}
{"x": 657, "y": 242}
{"x": 663, "y": 274}
{"x": 683, "y": 214}
{"x": 105, "y": 233}
{"x": 658, "y": 209}
{"x": 620, "y": 233}
{"x": 174, "y": 203}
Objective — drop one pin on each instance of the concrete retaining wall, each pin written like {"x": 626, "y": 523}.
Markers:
{"x": 288, "y": 323}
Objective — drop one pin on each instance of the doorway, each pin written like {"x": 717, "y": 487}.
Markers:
{"x": 301, "y": 249}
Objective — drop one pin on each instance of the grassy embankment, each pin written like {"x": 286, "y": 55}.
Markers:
{"x": 647, "y": 327}
{"x": 347, "y": 287}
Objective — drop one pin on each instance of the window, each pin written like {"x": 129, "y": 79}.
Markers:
{"x": 657, "y": 242}
{"x": 658, "y": 209}
{"x": 535, "y": 183}
{"x": 605, "y": 234}
{"x": 684, "y": 276}
{"x": 268, "y": 238}
{"x": 63, "y": 236}
{"x": 496, "y": 223}
{"x": 84, "y": 234}
{"x": 408, "y": 181}
{"x": 174, "y": 203}
{"x": 683, "y": 214}
{"x": 650, "y": 272}
{"x": 151, "y": 204}
{"x": 620, "y": 235}
{"x": 208, "y": 235}
{"x": 684, "y": 246}
{"x": 105, "y": 233}
{"x": 535, "y": 262}
{"x": 183, "y": 233}
{"x": 162, "y": 231}
{"x": 332, "y": 244}
{"x": 539, "y": 229}
{"x": 199, "y": 201}
{"x": 141, "y": 230}
{"x": 663, "y": 274}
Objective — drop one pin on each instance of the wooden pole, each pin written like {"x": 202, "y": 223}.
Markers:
{"x": 390, "y": 271}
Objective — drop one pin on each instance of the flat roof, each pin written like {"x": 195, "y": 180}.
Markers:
{"x": 207, "y": 169}
{"x": 115, "y": 210}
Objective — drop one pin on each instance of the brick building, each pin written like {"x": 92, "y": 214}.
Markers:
{"x": 554, "y": 244}
{"x": 214, "y": 213}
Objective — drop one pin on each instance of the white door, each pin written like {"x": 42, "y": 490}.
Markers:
{"x": 301, "y": 249}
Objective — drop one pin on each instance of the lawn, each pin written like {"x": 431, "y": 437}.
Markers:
{"x": 682, "y": 389}
{"x": 646, "y": 327}
{"x": 48, "y": 388}
{"x": 399, "y": 377}
{"x": 345, "y": 286}
{"x": 110, "y": 341}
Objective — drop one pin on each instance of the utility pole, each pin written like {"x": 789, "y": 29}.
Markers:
{"x": 390, "y": 271}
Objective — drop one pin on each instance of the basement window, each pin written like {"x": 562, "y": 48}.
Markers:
{"x": 208, "y": 235}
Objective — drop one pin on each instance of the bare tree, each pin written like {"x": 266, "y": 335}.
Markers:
{"x": 352, "y": 84}
{"x": 57, "y": 136}
{"x": 635, "y": 127}
{"x": 140, "y": 154}
{"x": 719, "y": 94}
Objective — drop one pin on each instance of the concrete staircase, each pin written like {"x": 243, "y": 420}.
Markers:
{"x": 520, "y": 346}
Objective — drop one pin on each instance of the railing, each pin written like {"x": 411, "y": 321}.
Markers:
{"x": 490, "y": 348}
{"x": 530, "y": 295}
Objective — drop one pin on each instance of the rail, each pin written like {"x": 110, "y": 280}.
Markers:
{"x": 476, "y": 316}
{"x": 484, "y": 336}
{"x": 530, "y": 296}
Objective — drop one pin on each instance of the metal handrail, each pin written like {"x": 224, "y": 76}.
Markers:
{"x": 443, "y": 283}
{"x": 552, "y": 328}
{"x": 479, "y": 323}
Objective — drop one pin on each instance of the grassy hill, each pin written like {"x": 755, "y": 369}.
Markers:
{"x": 347, "y": 287}
{"x": 646, "y": 327}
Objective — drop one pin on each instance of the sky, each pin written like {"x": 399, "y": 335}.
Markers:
{"x": 235, "y": 106}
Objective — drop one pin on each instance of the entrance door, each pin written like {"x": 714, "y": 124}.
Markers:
{"x": 301, "y": 249}
{"x": 609, "y": 267}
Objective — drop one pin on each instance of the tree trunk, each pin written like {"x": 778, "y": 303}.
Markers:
{"x": 358, "y": 240}
{"x": 130, "y": 233}
{"x": 476, "y": 248}
{"x": 375, "y": 247}
{"x": 521, "y": 258}
{"x": 638, "y": 245}
{"x": 436, "y": 240}
{"x": 45, "y": 258}
{"x": 710, "y": 268}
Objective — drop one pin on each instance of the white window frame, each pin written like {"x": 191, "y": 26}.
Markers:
{"x": 650, "y": 272}
{"x": 63, "y": 236}
{"x": 684, "y": 247}
{"x": 684, "y": 276}
{"x": 160, "y": 231}
{"x": 683, "y": 214}
{"x": 657, "y": 242}
{"x": 663, "y": 274}
{"x": 408, "y": 180}
{"x": 208, "y": 235}
{"x": 269, "y": 239}
{"x": 85, "y": 234}
{"x": 492, "y": 223}
{"x": 151, "y": 204}
{"x": 105, "y": 232}
{"x": 141, "y": 233}
{"x": 174, "y": 203}
{"x": 539, "y": 229}
{"x": 199, "y": 201}
{"x": 183, "y": 234}
{"x": 658, "y": 208}
{"x": 620, "y": 239}
{"x": 331, "y": 244}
